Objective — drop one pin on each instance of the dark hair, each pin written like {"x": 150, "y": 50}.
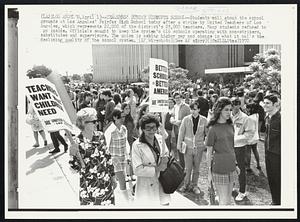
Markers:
{"x": 217, "y": 109}
{"x": 253, "y": 108}
{"x": 272, "y": 97}
{"x": 148, "y": 118}
{"x": 86, "y": 94}
{"x": 106, "y": 93}
{"x": 259, "y": 97}
{"x": 211, "y": 91}
{"x": 116, "y": 113}
{"x": 128, "y": 117}
{"x": 141, "y": 114}
{"x": 194, "y": 104}
{"x": 173, "y": 100}
{"x": 200, "y": 93}
{"x": 177, "y": 94}
{"x": 117, "y": 98}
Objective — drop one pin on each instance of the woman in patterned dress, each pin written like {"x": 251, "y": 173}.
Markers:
{"x": 97, "y": 180}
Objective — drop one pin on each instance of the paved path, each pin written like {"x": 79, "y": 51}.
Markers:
{"x": 46, "y": 181}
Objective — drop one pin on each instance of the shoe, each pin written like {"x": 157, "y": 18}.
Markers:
{"x": 45, "y": 143}
{"x": 183, "y": 189}
{"x": 54, "y": 151}
{"x": 240, "y": 196}
{"x": 258, "y": 167}
{"x": 196, "y": 190}
{"x": 36, "y": 145}
{"x": 66, "y": 148}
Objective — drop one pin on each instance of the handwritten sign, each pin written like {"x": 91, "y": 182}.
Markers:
{"x": 47, "y": 104}
{"x": 158, "y": 85}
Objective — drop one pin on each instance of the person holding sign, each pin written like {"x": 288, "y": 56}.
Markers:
{"x": 97, "y": 176}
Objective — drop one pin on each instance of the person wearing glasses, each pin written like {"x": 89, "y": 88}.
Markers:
{"x": 97, "y": 180}
{"x": 117, "y": 142}
{"x": 221, "y": 161}
{"x": 273, "y": 146}
{"x": 244, "y": 130}
{"x": 192, "y": 132}
{"x": 149, "y": 158}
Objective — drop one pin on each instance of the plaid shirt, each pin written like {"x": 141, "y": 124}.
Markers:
{"x": 117, "y": 140}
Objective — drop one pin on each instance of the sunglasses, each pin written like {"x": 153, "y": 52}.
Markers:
{"x": 92, "y": 121}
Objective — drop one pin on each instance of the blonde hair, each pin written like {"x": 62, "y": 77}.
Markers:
{"x": 83, "y": 115}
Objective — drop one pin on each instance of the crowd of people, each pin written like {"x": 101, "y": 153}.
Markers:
{"x": 121, "y": 141}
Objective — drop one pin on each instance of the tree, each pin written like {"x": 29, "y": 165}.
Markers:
{"x": 76, "y": 77}
{"x": 266, "y": 70}
{"x": 65, "y": 79}
{"x": 88, "y": 77}
{"x": 177, "y": 77}
{"x": 40, "y": 71}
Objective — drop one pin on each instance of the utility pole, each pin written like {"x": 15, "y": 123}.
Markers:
{"x": 12, "y": 112}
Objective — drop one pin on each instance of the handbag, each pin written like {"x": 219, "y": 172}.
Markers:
{"x": 29, "y": 119}
{"x": 172, "y": 176}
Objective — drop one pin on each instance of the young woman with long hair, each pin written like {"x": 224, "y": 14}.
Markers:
{"x": 222, "y": 168}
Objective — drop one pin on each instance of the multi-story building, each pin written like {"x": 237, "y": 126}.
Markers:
{"x": 120, "y": 63}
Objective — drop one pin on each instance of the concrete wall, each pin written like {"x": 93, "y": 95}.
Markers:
{"x": 117, "y": 63}
{"x": 201, "y": 57}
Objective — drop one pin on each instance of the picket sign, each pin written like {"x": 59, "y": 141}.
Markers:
{"x": 158, "y": 86}
{"x": 49, "y": 98}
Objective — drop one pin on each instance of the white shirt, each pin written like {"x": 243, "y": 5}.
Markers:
{"x": 176, "y": 111}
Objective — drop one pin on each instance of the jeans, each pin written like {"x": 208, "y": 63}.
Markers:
{"x": 240, "y": 158}
{"x": 252, "y": 147}
{"x": 55, "y": 137}
{"x": 192, "y": 159}
{"x": 273, "y": 167}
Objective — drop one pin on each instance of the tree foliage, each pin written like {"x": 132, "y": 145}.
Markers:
{"x": 88, "y": 77}
{"x": 39, "y": 71}
{"x": 65, "y": 79}
{"x": 76, "y": 77}
{"x": 266, "y": 70}
{"x": 177, "y": 77}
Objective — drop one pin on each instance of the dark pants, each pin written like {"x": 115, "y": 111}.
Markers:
{"x": 55, "y": 137}
{"x": 273, "y": 167}
{"x": 240, "y": 158}
{"x": 252, "y": 147}
{"x": 181, "y": 155}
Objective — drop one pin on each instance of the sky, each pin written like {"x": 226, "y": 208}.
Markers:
{"x": 64, "y": 58}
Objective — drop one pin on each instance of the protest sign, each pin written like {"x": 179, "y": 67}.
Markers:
{"x": 47, "y": 104}
{"x": 158, "y": 85}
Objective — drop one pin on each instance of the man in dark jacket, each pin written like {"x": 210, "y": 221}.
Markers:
{"x": 203, "y": 104}
{"x": 273, "y": 146}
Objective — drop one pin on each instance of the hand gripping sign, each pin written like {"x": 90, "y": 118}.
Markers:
{"x": 158, "y": 85}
